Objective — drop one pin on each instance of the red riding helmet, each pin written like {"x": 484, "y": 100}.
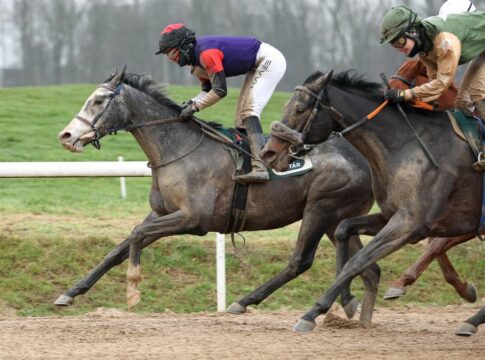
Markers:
{"x": 174, "y": 36}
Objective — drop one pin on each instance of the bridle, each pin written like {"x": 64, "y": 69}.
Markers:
{"x": 115, "y": 91}
{"x": 99, "y": 131}
{"x": 298, "y": 147}
{"x": 204, "y": 128}
{"x": 319, "y": 104}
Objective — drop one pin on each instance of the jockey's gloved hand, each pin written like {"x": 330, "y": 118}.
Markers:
{"x": 394, "y": 96}
{"x": 188, "y": 109}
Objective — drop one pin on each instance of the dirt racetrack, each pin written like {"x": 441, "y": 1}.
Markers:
{"x": 398, "y": 333}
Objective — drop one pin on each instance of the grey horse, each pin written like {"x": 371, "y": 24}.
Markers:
{"x": 192, "y": 187}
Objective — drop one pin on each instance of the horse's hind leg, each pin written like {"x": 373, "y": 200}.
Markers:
{"x": 398, "y": 287}
{"x": 436, "y": 248}
{"x": 470, "y": 326}
{"x": 348, "y": 244}
{"x": 311, "y": 231}
{"x": 114, "y": 257}
{"x": 465, "y": 289}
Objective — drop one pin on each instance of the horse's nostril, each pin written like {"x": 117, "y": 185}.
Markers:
{"x": 65, "y": 136}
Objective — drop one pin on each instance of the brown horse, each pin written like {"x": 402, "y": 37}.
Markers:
{"x": 276, "y": 153}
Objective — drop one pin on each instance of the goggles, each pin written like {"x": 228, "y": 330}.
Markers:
{"x": 400, "y": 42}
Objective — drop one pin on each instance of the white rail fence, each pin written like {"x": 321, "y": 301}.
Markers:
{"x": 119, "y": 169}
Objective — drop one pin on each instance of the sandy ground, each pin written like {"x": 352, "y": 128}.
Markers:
{"x": 398, "y": 333}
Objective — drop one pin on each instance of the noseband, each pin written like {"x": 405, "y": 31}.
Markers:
{"x": 285, "y": 133}
{"x": 115, "y": 91}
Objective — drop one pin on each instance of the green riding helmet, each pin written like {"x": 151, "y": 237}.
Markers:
{"x": 396, "y": 22}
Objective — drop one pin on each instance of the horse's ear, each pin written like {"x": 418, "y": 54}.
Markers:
{"x": 118, "y": 78}
{"x": 322, "y": 81}
{"x": 122, "y": 75}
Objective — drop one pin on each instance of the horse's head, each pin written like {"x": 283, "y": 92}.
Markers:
{"x": 97, "y": 116}
{"x": 289, "y": 136}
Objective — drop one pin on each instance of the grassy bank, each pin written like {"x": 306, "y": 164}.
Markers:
{"x": 44, "y": 255}
{"x": 53, "y": 231}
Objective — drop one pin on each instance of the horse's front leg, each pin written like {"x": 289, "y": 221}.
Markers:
{"x": 178, "y": 222}
{"x": 345, "y": 236}
{"x": 470, "y": 326}
{"x": 114, "y": 257}
{"x": 398, "y": 231}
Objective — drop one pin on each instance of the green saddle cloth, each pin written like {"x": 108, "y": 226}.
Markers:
{"x": 295, "y": 168}
{"x": 470, "y": 129}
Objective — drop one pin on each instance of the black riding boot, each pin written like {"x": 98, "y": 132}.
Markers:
{"x": 259, "y": 173}
{"x": 480, "y": 109}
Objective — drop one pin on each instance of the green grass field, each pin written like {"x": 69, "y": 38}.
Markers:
{"x": 53, "y": 231}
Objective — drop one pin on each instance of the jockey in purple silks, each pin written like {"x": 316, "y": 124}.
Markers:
{"x": 213, "y": 59}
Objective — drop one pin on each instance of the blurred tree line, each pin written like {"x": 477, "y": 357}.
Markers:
{"x": 71, "y": 41}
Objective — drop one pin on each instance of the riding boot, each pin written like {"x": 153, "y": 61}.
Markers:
{"x": 480, "y": 110}
{"x": 258, "y": 173}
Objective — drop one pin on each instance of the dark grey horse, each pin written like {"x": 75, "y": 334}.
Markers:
{"x": 417, "y": 199}
{"x": 192, "y": 186}
{"x": 276, "y": 153}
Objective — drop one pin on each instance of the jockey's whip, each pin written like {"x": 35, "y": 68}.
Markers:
{"x": 403, "y": 114}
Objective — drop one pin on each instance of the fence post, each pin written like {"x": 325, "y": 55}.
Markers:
{"x": 122, "y": 182}
{"x": 221, "y": 272}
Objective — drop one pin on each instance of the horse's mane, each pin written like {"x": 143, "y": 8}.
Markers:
{"x": 156, "y": 90}
{"x": 145, "y": 84}
{"x": 351, "y": 80}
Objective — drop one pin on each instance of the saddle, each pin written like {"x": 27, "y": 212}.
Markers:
{"x": 240, "y": 154}
{"x": 470, "y": 129}
{"x": 242, "y": 159}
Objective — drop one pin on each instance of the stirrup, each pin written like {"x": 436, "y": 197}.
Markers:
{"x": 479, "y": 165}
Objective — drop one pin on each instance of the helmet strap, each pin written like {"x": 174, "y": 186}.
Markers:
{"x": 422, "y": 43}
{"x": 186, "y": 52}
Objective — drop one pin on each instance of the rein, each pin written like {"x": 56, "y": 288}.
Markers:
{"x": 299, "y": 145}
{"x": 366, "y": 118}
{"x": 403, "y": 114}
{"x": 180, "y": 157}
{"x": 204, "y": 128}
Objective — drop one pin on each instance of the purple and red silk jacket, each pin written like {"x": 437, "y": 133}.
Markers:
{"x": 235, "y": 55}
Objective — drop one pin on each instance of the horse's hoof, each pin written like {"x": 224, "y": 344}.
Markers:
{"x": 471, "y": 293}
{"x": 133, "y": 298}
{"x": 304, "y": 326}
{"x": 351, "y": 308}
{"x": 64, "y": 300}
{"x": 394, "y": 293}
{"x": 466, "y": 329}
{"x": 236, "y": 308}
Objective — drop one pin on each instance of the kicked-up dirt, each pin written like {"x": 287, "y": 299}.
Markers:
{"x": 398, "y": 333}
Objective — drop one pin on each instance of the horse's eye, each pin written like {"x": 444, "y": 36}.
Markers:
{"x": 299, "y": 109}
{"x": 98, "y": 101}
